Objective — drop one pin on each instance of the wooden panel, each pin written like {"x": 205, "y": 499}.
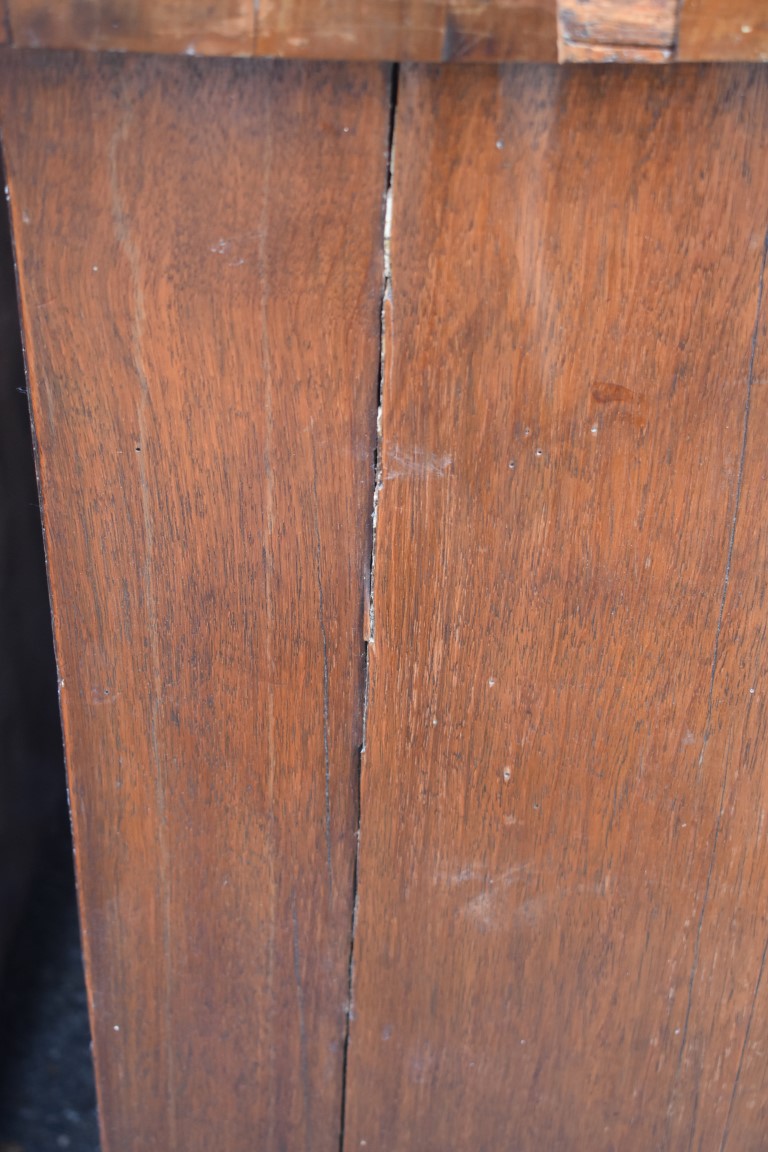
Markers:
{"x": 615, "y": 23}
{"x": 199, "y": 257}
{"x": 204, "y": 27}
{"x": 428, "y": 30}
{"x": 557, "y": 695}
{"x": 723, "y": 30}
{"x": 314, "y": 29}
{"x": 723, "y": 1085}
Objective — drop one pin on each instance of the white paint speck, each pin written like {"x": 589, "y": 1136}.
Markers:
{"x": 746, "y": 29}
{"x": 499, "y": 144}
{"x": 751, "y": 691}
{"x": 507, "y": 774}
{"x": 116, "y": 1027}
{"x": 491, "y": 682}
{"x": 593, "y": 429}
{"x": 25, "y": 218}
{"x": 95, "y": 267}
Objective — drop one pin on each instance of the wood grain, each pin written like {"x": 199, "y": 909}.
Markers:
{"x": 616, "y": 23}
{"x": 722, "y": 1090}
{"x": 428, "y": 30}
{"x": 202, "y": 27}
{"x": 723, "y": 30}
{"x": 561, "y": 926}
{"x": 199, "y": 247}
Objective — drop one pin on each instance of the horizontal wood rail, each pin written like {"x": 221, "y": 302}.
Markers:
{"x": 648, "y": 31}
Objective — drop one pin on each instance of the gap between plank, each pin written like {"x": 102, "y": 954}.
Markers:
{"x": 369, "y": 607}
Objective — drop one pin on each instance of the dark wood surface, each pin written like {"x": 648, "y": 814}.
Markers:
{"x": 561, "y": 932}
{"x": 199, "y": 254}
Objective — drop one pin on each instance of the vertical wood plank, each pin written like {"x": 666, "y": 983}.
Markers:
{"x": 556, "y": 694}
{"x": 721, "y": 1098}
{"x": 199, "y": 259}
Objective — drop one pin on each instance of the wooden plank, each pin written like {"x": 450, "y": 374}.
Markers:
{"x": 200, "y": 268}
{"x": 642, "y": 25}
{"x": 196, "y": 27}
{"x": 723, "y": 1080}
{"x": 575, "y": 279}
{"x": 723, "y": 30}
{"x": 428, "y": 30}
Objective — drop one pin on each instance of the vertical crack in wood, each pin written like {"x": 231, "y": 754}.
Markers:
{"x": 377, "y": 458}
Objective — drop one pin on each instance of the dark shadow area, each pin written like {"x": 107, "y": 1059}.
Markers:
{"x": 47, "y": 1096}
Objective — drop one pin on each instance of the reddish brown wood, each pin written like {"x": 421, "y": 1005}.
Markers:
{"x": 723, "y": 30}
{"x": 561, "y": 927}
{"x": 218, "y": 28}
{"x": 722, "y": 1091}
{"x": 199, "y": 248}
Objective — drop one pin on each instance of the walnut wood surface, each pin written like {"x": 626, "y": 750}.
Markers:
{"x": 562, "y": 880}
{"x": 199, "y": 253}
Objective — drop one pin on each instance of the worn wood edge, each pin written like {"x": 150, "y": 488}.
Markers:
{"x": 575, "y": 52}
